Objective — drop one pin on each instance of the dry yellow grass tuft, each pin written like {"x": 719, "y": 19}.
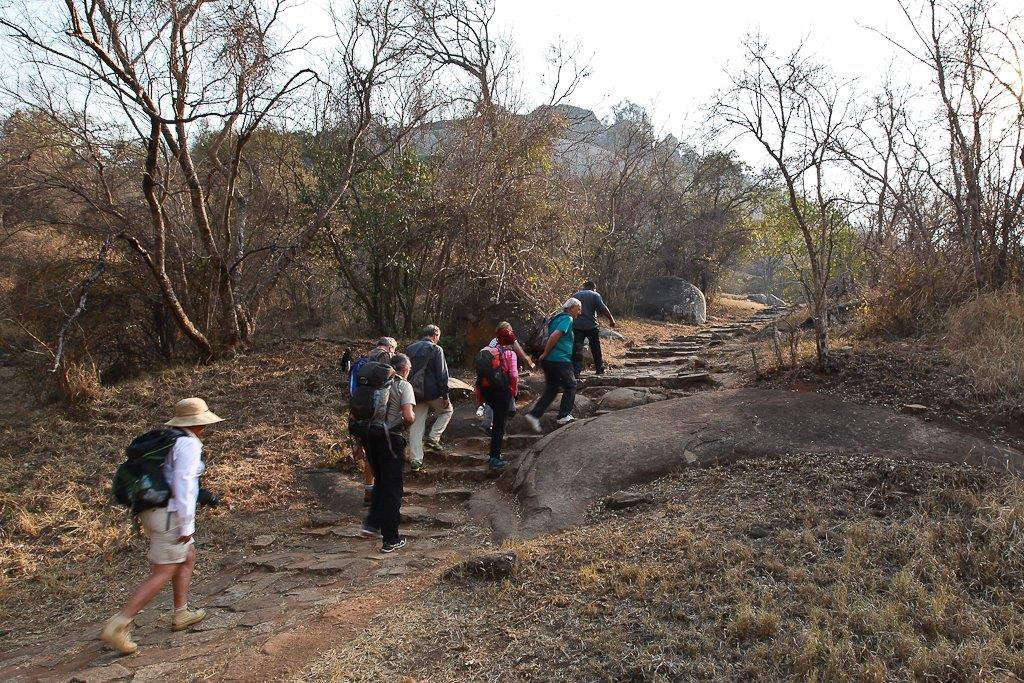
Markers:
{"x": 987, "y": 336}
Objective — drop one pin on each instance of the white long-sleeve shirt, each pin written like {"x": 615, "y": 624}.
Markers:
{"x": 182, "y": 468}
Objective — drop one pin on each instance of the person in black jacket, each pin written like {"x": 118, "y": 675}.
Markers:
{"x": 429, "y": 379}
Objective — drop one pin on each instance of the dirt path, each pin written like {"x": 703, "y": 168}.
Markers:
{"x": 303, "y": 588}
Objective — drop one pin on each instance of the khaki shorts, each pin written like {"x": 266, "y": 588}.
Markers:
{"x": 162, "y": 527}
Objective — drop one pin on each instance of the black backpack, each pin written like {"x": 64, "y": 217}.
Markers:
{"x": 540, "y": 339}
{"x": 490, "y": 372}
{"x": 139, "y": 482}
{"x": 368, "y": 406}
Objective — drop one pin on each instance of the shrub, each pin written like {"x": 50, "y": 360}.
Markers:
{"x": 912, "y": 295}
{"x": 987, "y": 336}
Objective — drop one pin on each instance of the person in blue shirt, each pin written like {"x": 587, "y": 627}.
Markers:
{"x": 556, "y": 360}
{"x": 585, "y": 329}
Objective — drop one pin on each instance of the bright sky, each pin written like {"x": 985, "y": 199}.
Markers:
{"x": 671, "y": 56}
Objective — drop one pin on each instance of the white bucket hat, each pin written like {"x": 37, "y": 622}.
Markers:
{"x": 192, "y": 412}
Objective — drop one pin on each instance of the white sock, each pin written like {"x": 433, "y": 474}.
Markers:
{"x": 182, "y": 608}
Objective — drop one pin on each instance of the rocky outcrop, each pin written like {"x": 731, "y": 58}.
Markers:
{"x": 550, "y": 487}
{"x": 672, "y": 298}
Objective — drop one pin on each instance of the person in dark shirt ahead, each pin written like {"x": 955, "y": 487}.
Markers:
{"x": 585, "y": 328}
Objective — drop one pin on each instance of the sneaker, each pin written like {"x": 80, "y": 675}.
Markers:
{"x": 565, "y": 420}
{"x": 534, "y": 423}
{"x": 367, "y": 531}
{"x": 392, "y": 547}
{"x": 498, "y": 463}
{"x": 417, "y": 467}
{"x": 433, "y": 445}
{"x": 185, "y": 617}
{"x": 117, "y": 635}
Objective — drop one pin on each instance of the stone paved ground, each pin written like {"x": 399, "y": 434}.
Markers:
{"x": 303, "y": 589}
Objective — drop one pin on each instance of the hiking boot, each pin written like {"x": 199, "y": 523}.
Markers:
{"x": 565, "y": 420}
{"x": 599, "y": 372}
{"x": 367, "y": 531}
{"x": 392, "y": 547}
{"x": 498, "y": 463}
{"x": 185, "y": 617}
{"x": 433, "y": 445}
{"x": 117, "y": 635}
{"x": 534, "y": 423}
{"x": 416, "y": 467}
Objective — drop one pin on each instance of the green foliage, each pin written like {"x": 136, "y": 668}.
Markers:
{"x": 777, "y": 255}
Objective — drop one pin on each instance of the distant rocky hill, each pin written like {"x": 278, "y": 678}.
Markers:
{"x": 585, "y": 144}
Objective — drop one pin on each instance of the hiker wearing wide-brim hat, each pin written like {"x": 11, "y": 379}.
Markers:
{"x": 170, "y": 527}
{"x": 192, "y": 412}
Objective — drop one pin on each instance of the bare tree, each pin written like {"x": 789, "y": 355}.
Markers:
{"x": 974, "y": 55}
{"x": 795, "y": 111}
{"x": 201, "y": 85}
{"x": 166, "y": 70}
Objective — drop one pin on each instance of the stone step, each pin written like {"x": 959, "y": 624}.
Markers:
{"x": 441, "y": 492}
{"x": 665, "y": 360}
{"x": 660, "y": 353}
{"x": 457, "y": 454}
{"x": 418, "y": 514}
{"x": 435, "y": 473}
{"x": 667, "y": 381}
{"x": 512, "y": 442}
{"x": 667, "y": 346}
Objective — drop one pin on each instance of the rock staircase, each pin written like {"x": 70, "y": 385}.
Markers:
{"x": 679, "y": 363}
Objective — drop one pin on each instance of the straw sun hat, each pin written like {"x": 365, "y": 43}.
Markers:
{"x": 192, "y": 412}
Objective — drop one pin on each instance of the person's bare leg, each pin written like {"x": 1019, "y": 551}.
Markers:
{"x": 159, "y": 575}
{"x": 367, "y": 472}
{"x": 183, "y": 578}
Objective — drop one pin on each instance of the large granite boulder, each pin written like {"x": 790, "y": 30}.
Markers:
{"x": 672, "y": 298}
{"x": 551, "y": 486}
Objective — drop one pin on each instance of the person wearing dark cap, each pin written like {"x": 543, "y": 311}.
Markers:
{"x": 585, "y": 328}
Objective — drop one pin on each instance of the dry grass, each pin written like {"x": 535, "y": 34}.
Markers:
{"x": 987, "y": 336}
{"x": 913, "y": 295}
{"x": 732, "y": 307}
{"x": 63, "y": 545}
{"x": 903, "y": 571}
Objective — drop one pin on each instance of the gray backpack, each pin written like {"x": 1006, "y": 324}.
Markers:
{"x": 368, "y": 406}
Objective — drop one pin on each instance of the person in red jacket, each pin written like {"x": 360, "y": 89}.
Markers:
{"x": 500, "y": 400}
